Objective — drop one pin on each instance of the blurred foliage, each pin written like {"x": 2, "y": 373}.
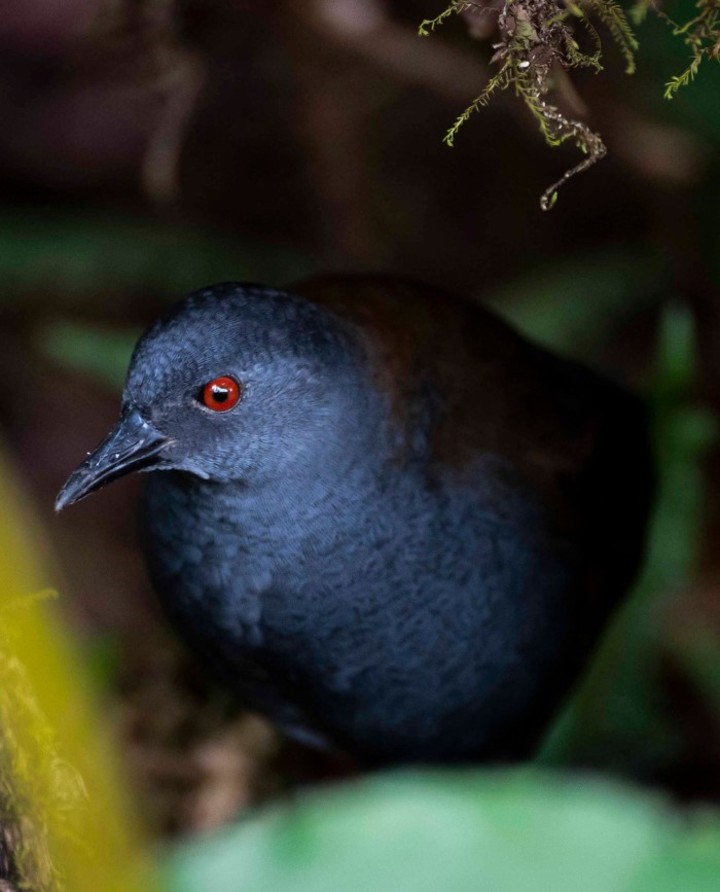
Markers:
{"x": 77, "y": 256}
{"x": 514, "y": 831}
{"x": 566, "y": 306}
{"x": 617, "y": 719}
{"x": 62, "y": 814}
{"x": 569, "y": 306}
{"x": 103, "y": 354}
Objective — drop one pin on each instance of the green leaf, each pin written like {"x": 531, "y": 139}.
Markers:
{"x": 568, "y": 305}
{"x": 616, "y": 718}
{"x": 460, "y": 831}
{"x": 102, "y": 354}
{"x": 77, "y": 257}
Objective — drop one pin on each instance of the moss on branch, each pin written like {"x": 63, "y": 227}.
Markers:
{"x": 536, "y": 41}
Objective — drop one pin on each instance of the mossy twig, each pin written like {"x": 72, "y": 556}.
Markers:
{"x": 702, "y": 36}
{"x": 536, "y": 39}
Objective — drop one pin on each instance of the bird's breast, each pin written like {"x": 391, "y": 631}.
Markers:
{"x": 453, "y": 605}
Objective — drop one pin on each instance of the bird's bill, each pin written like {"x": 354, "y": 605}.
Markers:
{"x": 131, "y": 446}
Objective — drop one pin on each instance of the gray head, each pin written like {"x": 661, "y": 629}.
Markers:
{"x": 238, "y": 382}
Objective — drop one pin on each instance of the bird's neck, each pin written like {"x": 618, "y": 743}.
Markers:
{"x": 330, "y": 480}
{"x": 320, "y": 491}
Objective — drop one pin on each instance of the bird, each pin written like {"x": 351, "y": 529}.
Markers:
{"x": 382, "y": 517}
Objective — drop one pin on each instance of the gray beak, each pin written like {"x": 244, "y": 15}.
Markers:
{"x": 132, "y": 446}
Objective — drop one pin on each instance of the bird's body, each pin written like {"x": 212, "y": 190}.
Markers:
{"x": 380, "y": 616}
{"x": 418, "y": 529}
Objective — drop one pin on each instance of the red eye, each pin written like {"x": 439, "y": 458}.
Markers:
{"x": 221, "y": 394}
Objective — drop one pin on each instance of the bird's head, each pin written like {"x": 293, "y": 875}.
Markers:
{"x": 238, "y": 382}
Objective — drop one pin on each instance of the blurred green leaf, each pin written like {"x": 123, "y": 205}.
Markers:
{"x": 103, "y": 656}
{"x": 699, "y": 655}
{"x": 103, "y": 354}
{"x": 616, "y": 718}
{"x": 567, "y": 306}
{"x": 82, "y": 254}
{"x": 518, "y": 831}
{"x": 564, "y": 306}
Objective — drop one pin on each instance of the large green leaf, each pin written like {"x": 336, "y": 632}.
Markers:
{"x": 461, "y": 831}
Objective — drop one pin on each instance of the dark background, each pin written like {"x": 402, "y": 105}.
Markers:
{"x": 149, "y": 148}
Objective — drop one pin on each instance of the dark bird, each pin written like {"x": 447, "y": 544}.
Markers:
{"x": 389, "y": 522}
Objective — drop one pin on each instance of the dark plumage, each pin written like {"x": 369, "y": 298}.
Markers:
{"x": 405, "y": 538}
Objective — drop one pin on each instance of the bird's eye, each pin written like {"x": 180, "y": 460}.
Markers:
{"x": 221, "y": 394}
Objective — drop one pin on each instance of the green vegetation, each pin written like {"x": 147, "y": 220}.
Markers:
{"x": 76, "y": 255}
{"x": 537, "y": 41}
{"x": 510, "y": 831}
{"x": 701, "y": 35}
{"x": 617, "y": 718}
{"x": 64, "y": 820}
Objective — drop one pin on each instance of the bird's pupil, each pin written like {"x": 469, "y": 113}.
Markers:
{"x": 220, "y": 394}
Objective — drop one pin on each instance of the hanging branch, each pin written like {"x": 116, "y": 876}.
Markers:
{"x": 536, "y": 42}
{"x": 536, "y": 38}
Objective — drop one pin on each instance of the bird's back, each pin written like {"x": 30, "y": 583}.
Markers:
{"x": 563, "y": 433}
{"x": 580, "y": 440}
